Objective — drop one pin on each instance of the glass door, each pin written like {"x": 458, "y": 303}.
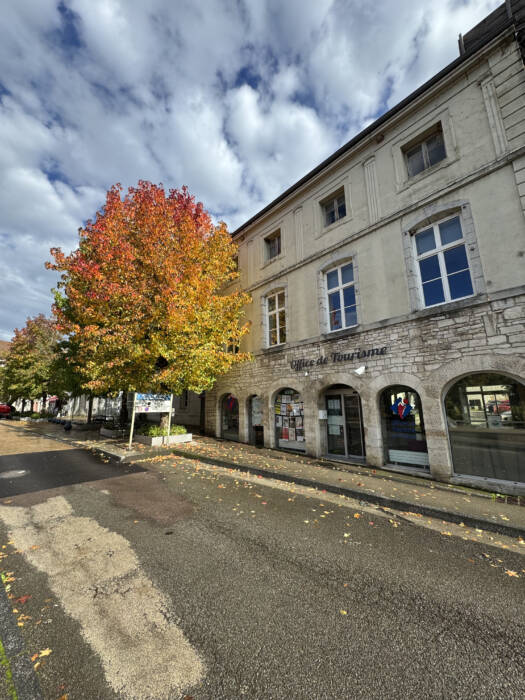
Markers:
{"x": 354, "y": 426}
{"x": 335, "y": 426}
{"x": 344, "y": 425}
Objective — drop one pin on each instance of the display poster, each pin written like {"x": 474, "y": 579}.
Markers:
{"x": 285, "y": 398}
{"x": 152, "y": 403}
{"x": 257, "y": 411}
{"x": 286, "y": 422}
{"x": 278, "y": 421}
{"x": 299, "y": 422}
{"x": 291, "y": 434}
{"x": 284, "y": 435}
{"x": 300, "y": 438}
{"x": 277, "y": 409}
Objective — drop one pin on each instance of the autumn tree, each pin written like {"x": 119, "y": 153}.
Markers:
{"x": 28, "y": 371}
{"x": 143, "y": 296}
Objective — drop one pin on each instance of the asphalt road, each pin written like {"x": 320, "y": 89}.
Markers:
{"x": 177, "y": 580}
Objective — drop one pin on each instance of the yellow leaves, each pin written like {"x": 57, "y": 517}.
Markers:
{"x": 45, "y": 652}
{"x": 357, "y": 515}
{"x": 343, "y": 612}
{"x": 513, "y": 574}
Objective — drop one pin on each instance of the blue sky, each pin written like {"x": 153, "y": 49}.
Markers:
{"x": 237, "y": 99}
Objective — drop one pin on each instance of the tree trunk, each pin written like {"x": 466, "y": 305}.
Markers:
{"x": 44, "y": 399}
{"x": 124, "y": 409}
{"x": 32, "y": 405}
{"x": 90, "y": 408}
{"x": 23, "y": 405}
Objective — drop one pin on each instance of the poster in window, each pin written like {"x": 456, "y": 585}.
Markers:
{"x": 300, "y": 438}
{"x": 277, "y": 409}
{"x": 285, "y": 398}
{"x": 299, "y": 422}
{"x": 278, "y": 421}
{"x": 284, "y": 434}
{"x": 286, "y": 422}
{"x": 291, "y": 434}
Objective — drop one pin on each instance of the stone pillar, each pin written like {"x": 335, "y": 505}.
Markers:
{"x": 374, "y": 448}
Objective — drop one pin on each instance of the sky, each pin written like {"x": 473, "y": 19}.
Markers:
{"x": 237, "y": 99}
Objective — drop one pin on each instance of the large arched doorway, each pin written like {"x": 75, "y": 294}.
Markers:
{"x": 486, "y": 426}
{"x": 344, "y": 423}
{"x": 403, "y": 427}
{"x": 289, "y": 421}
{"x": 230, "y": 417}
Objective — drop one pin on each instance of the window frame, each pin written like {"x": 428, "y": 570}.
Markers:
{"x": 421, "y": 141}
{"x": 340, "y": 289}
{"x": 439, "y": 251}
{"x": 268, "y": 242}
{"x": 332, "y": 200}
{"x": 275, "y": 312}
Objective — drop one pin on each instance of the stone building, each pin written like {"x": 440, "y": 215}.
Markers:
{"x": 388, "y": 285}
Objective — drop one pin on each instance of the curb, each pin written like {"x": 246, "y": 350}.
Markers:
{"x": 373, "y": 499}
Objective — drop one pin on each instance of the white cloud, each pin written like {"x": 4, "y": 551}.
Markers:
{"x": 235, "y": 98}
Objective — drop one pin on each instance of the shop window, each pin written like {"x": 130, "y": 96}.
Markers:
{"x": 403, "y": 427}
{"x": 272, "y": 245}
{"x": 334, "y": 207}
{"x": 289, "y": 420}
{"x": 427, "y": 151}
{"x": 230, "y": 418}
{"x": 486, "y": 426}
{"x": 276, "y": 313}
{"x": 444, "y": 271}
{"x": 342, "y": 307}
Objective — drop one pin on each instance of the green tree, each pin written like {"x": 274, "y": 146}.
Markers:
{"x": 28, "y": 371}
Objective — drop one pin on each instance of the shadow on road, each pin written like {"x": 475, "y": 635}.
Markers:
{"x": 38, "y": 471}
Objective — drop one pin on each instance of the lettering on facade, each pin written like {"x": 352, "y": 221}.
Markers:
{"x": 305, "y": 363}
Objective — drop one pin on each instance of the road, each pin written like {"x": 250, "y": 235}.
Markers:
{"x": 175, "y": 579}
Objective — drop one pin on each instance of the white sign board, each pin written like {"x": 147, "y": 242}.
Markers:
{"x": 152, "y": 403}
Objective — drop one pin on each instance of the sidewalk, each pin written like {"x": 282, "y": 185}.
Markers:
{"x": 473, "y": 508}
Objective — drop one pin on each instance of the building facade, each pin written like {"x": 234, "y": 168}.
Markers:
{"x": 388, "y": 286}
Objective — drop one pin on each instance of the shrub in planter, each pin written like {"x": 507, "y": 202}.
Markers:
{"x": 155, "y": 435}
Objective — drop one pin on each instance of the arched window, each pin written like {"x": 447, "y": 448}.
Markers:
{"x": 403, "y": 427}
{"x": 486, "y": 426}
{"x": 230, "y": 417}
{"x": 289, "y": 420}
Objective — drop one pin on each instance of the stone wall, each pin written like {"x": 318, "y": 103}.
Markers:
{"x": 427, "y": 351}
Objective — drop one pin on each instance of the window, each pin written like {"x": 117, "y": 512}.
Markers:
{"x": 272, "y": 245}
{"x": 232, "y": 348}
{"x": 426, "y": 153}
{"x": 334, "y": 207}
{"x": 443, "y": 264}
{"x": 341, "y": 297}
{"x": 276, "y": 319}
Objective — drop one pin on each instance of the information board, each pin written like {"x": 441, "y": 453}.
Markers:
{"x": 152, "y": 403}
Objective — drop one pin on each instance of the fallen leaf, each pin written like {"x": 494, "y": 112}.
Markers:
{"x": 23, "y": 599}
{"x": 45, "y": 652}
{"x": 512, "y": 573}
{"x": 357, "y": 515}
{"x": 343, "y": 612}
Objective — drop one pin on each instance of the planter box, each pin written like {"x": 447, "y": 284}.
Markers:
{"x": 163, "y": 440}
{"x": 107, "y": 432}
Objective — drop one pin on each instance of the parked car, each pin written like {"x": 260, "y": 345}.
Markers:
{"x": 5, "y": 410}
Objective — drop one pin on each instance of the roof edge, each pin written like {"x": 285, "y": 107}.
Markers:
{"x": 463, "y": 58}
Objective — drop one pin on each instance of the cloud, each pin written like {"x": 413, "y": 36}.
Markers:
{"x": 235, "y": 98}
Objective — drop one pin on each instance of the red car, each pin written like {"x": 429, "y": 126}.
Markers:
{"x": 5, "y": 410}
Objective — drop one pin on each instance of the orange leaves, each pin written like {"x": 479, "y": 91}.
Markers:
{"x": 147, "y": 282}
